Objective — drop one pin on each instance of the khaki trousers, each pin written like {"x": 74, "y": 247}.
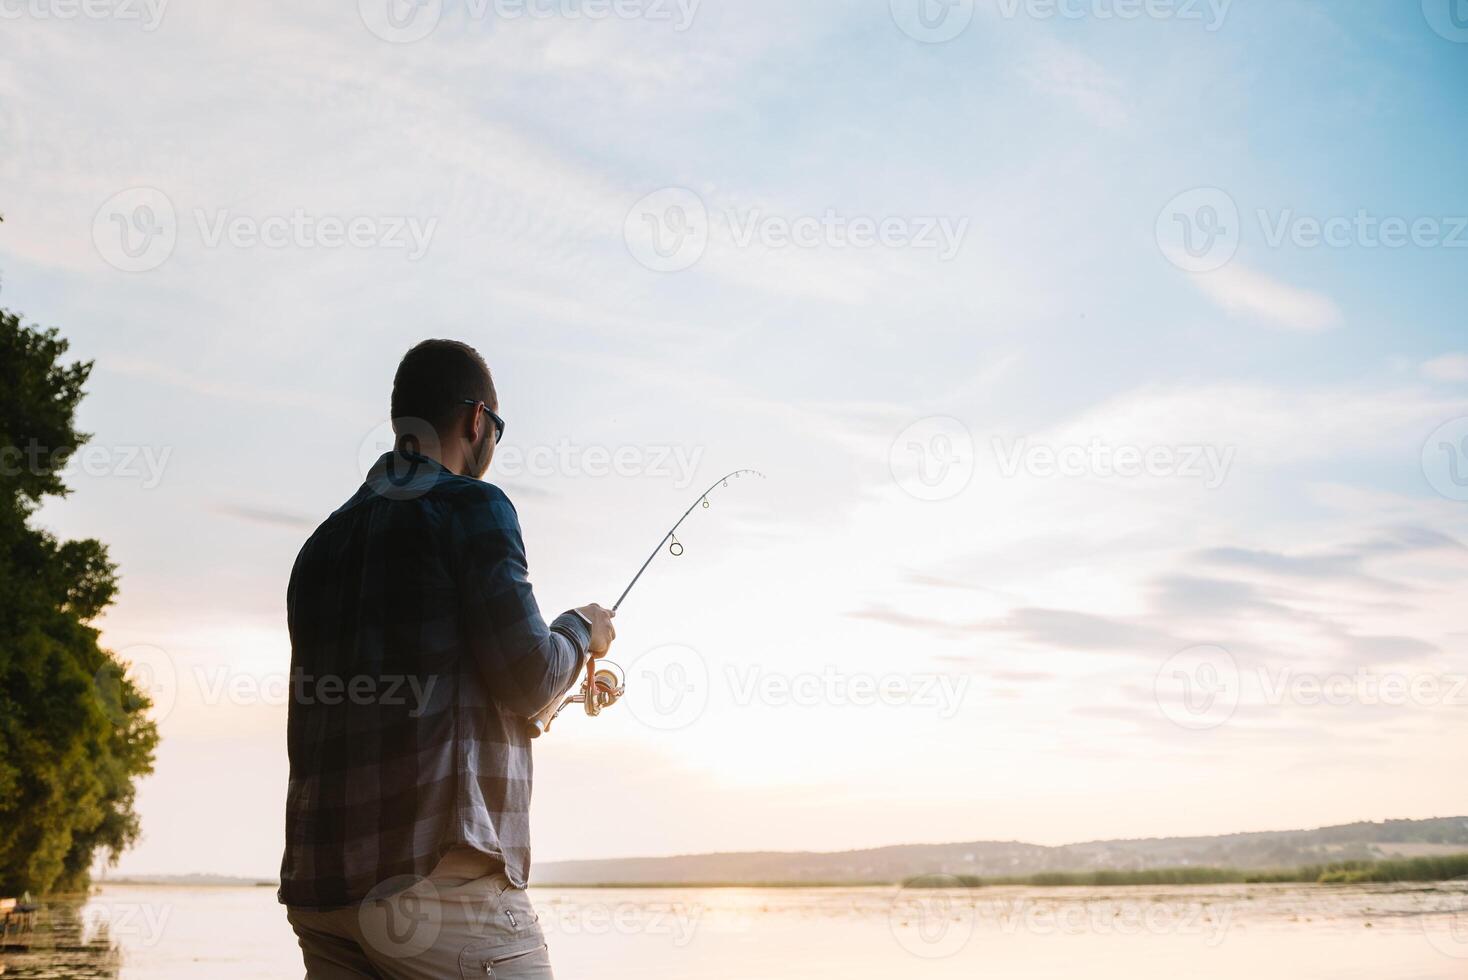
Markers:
{"x": 430, "y": 928}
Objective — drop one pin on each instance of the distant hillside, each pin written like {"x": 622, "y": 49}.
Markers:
{"x": 186, "y": 881}
{"x": 1265, "y": 850}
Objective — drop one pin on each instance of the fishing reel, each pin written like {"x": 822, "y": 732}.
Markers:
{"x": 603, "y": 687}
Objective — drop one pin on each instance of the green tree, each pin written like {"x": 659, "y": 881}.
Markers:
{"x": 74, "y": 731}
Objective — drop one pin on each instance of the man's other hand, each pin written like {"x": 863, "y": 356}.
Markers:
{"x": 602, "y": 632}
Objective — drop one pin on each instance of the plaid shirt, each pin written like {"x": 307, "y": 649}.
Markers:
{"x": 417, "y": 653}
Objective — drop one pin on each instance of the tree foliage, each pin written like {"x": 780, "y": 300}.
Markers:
{"x": 74, "y": 731}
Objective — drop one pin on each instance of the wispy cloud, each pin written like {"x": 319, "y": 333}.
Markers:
{"x": 1344, "y": 563}
{"x": 1064, "y": 72}
{"x": 269, "y": 515}
{"x": 212, "y": 387}
{"x": 1069, "y": 630}
{"x": 1189, "y": 595}
{"x": 1449, "y": 367}
{"x": 1387, "y": 649}
{"x": 892, "y": 617}
{"x": 1309, "y": 566}
{"x": 1021, "y": 676}
{"x": 1242, "y": 291}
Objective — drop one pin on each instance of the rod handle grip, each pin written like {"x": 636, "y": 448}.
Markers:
{"x": 539, "y": 724}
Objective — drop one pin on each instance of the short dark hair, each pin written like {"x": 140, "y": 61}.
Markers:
{"x": 435, "y": 378}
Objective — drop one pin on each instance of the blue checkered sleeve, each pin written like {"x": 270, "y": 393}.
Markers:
{"x": 525, "y": 665}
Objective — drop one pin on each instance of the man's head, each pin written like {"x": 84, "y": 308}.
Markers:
{"x": 438, "y": 391}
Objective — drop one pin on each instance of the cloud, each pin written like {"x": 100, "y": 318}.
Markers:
{"x": 1242, "y": 291}
{"x": 1069, "y": 630}
{"x": 1449, "y": 367}
{"x": 1376, "y": 649}
{"x": 267, "y": 515}
{"x": 1274, "y": 428}
{"x": 1187, "y": 595}
{"x": 1408, "y": 539}
{"x": 518, "y": 490}
{"x": 1062, "y": 71}
{"x": 891, "y": 617}
{"x": 1283, "y": 607}
{"x": 1333, "y": 565}
{"x": 195, "y": 383}
{"x": 1021, "y": 676}
{"x": 1345, "y": 563}
{"x": 925, "y": 580}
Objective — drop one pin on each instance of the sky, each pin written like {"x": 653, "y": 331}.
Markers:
{"x": 1106, "y": 361}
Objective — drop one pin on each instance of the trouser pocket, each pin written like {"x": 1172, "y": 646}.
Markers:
{"x": 507, "y": 964}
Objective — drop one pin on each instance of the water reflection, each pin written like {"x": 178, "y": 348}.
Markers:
{"x": 66, "y": 942}
{"x": 1264, "y": 932}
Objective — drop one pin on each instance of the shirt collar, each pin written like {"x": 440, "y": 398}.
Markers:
{"x": 404, "y": 475}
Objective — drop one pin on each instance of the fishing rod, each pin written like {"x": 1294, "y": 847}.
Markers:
{"x": 605, "y": 682}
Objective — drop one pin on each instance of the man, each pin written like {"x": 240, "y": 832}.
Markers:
{"x": 417, "y": 654}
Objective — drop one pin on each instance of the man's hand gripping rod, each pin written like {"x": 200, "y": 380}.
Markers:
{"x": 605, "y": 683}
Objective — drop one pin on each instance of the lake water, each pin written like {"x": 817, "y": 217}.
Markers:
{"x": 1257, "y": 932}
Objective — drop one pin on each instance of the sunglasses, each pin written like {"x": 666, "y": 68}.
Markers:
{"x": 499, "y": 423}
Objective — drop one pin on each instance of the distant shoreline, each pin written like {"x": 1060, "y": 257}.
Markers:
{"x": 1435, "y": 849}
{"x": 1392, "y": 871}
{"x": 185, "y": 881}
{"x": 1386, "y": 871}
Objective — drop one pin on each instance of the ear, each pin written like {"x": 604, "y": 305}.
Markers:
{"x": 474, "y": 423}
